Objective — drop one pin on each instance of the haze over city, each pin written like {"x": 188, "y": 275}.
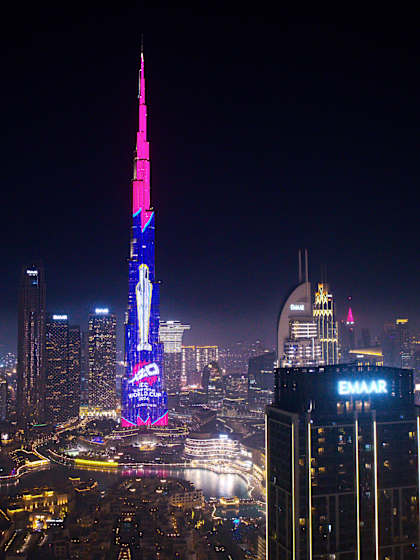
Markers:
{"x": 264, "y": 138}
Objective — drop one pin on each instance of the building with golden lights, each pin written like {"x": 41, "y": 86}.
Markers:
{"x": 324, "y": 315}
{"x": 209, "y": 447}
{"x": 367, "y": 356}
{"x": 102, "y": 352}
{"x": 39, "y": 499}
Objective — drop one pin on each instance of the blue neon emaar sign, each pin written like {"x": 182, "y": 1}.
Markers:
{"x": 378, "y": 386}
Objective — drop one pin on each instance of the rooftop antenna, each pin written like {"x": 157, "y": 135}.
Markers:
{"x": 300, "y": 266}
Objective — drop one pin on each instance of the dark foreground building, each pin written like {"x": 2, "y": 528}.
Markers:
{"x": 342, "y": 464}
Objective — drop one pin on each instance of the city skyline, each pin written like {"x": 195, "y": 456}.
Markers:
{"x": 213, "y": 347}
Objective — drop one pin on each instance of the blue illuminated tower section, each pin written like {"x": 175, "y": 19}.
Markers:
{"x": 143, "y": 400}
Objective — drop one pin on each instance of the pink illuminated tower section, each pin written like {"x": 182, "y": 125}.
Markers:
{"x": 143, "y": 399}
{"x": 141, "y": 182}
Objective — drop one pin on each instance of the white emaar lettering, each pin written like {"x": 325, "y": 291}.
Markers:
{"x": 362, "y": 387}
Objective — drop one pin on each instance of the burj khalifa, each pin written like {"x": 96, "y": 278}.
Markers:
{"x": 143, "y": 399}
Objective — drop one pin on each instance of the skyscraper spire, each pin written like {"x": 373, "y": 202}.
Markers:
{"x": 350, "y": 319}
{"x": 141, "y": 182}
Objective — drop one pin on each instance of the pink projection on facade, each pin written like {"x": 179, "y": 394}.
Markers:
{"x": 162, "y": 421}
{"x": 141, "y": 182}
{"x": 143, "y": 398}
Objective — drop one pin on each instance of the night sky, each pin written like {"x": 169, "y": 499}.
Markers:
{"x": 264, "y": 138}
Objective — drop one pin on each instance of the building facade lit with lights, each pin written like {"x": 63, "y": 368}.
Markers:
{"x": 348, "y": 336}
{"x": 209, "y": 447}
{"x": 193, "y": 361}
{"x": 143, "y": 399}
{"x": 102, "y": 355}
{"x": 31, "y": 346}
{"x": 324, "y": 315}
{"x": 170, "y": 335}
{"x": 63, "y": 360}
{"x": 298, "y": 343}
{"x": 342, "y": 464}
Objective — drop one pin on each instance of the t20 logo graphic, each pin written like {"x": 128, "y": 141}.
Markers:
{"x": 145, "y": 372}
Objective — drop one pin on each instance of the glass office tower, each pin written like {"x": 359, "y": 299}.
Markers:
{"x": 63, "y": 351}
{"x": 342, "y": 464}
{"x": 102, "y": 350}
{"x": 31, "y": 346}
{"x": 171, "y": 334}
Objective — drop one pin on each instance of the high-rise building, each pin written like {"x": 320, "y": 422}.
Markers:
{"x": 102, "y": 361}
{"x": 343, "y": 464}
{"x": 297, "y": 331}
{"x": 3, "y": 399}
{"x": 366, "y": 340}
{"x": 405, "y": 349}
{"x": 62, "y": 353}
{"x": 31, "y": 346}
{"x": 213, "y": 384}
{"x": 234, "y": 359}
{"x": 193, "y": 361}
{"x": 324, "y": 315}
{"x": 84, "y": 369}
{"x": 396, "y": 344}
{"x": 170, "y": 335}
{"x": 143, "y": 399}
{"x": 347, "y": 335}
{"x": 74, "y": 370}
{"x": 261, "y": 378}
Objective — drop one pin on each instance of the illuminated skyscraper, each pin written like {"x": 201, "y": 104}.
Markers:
{"x": 31, "y": 346}
{"x": 143, "y": 400}
{"x": 297, "y": 331}
{"x": 171, "y": 334}
{"x": 194, "y": 359}
{"x": 342, "y": 464}
{"x": 347, "y": 335}
{"x": 324, "y": 315}
{"x": 3, "y": 399}
{"x": 102, "y": 361}
{"x": 396, "y": 344}
{"x": 406, "y": 352}
{"x": 62, "y": 369}
{"x": 74, "y": 370}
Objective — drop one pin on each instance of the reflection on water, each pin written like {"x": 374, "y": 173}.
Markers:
{"x": 211, "y": 483}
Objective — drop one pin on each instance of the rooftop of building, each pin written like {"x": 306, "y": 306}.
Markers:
{"x": 375, "y": 351}
{"x": 326, "y": 389}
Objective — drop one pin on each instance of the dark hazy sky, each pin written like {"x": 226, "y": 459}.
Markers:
{"x": 265, "y": 138}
